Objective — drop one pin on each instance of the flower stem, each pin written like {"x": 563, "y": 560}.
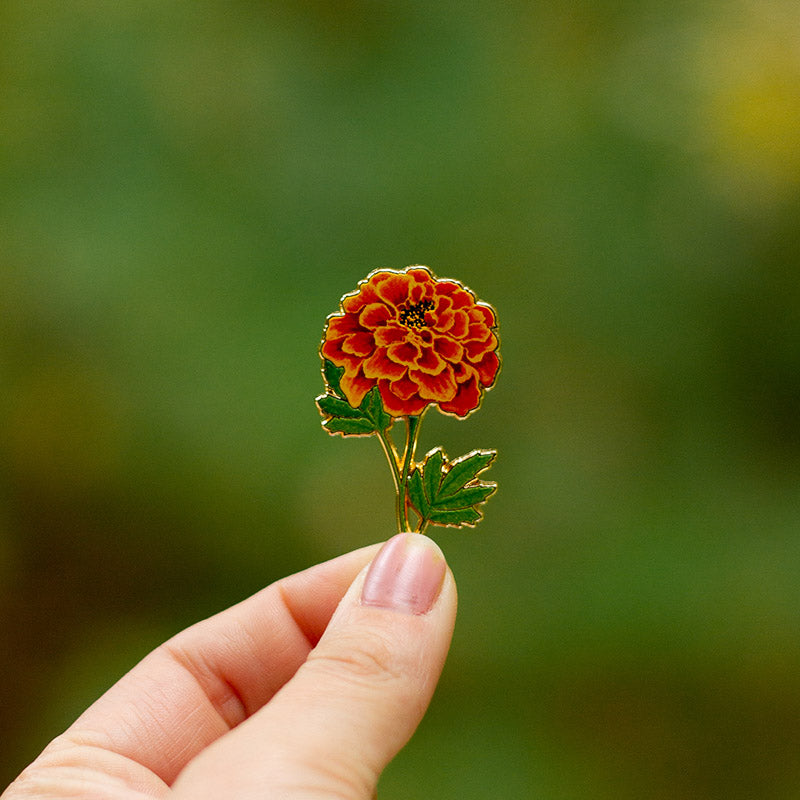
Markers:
{"x": 412, "y": 432}
{"x": 401, "y": 469}
{"x": 391, "y": 456}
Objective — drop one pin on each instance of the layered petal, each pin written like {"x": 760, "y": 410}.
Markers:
{"x": 389, "y": 334}
{"x": 437, "y": 388}
{"x": 422, "y": 275}
{"x": 448, "y": 348}
{"x": 467, "y": 398}
{"x": 429, "y": 361}
{"x": 353, "y": 303}
{"x": 405, "y": 388}
{"x": 487, "y": 368}
{"x": 379, "y": 365}
{"x": 355, "y": 387}
{"x": 476, "y": 349}
{"x": 460, "y": 325}
{"x": 398, "y": 406}
{"x": 342, "y": 325}
{"x": 459, "y": 295}
{"x": 374, "y": 315}
{"x": 393, "y": 288}
{"x": 421, "y": 340}
{"x": 480, "y": 312}
{"x": 332, "y": 350}
{"x": 443, "y": 314}
{"x": 477, "y": 331}
{"x": 405, "y": 353}
{"x": 359, "y": 344}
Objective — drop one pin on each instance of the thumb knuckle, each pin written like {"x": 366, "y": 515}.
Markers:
{"x": 368, "y": 658}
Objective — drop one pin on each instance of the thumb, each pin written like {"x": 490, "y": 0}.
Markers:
{"x": 331, "y": 730}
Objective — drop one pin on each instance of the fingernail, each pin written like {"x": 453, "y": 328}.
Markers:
{"x": 406, "y": 575}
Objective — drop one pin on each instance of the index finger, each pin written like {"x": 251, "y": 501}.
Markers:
{"x": 210, "y": 677}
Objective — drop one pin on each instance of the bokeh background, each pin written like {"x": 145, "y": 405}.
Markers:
{"x": 188, "y": 188}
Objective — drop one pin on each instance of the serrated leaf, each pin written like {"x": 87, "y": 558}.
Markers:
{"x": 468, "y": 496}
{"x": 432, "y": 474}
{"x": 341, "y": 417}
{"x": 349, "y": 427}
{"x": 372, "y": 406}
{"x": 333, "y": 376}
{"x": 465, "y": 469}
{"x": 416, "y": 494}
{"x": 336, "y": 407}
{"x": 456, "y": 518}
{"x": 449, "y": 494}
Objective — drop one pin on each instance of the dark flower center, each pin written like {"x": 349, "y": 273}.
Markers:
{"x": 414, "y": 316}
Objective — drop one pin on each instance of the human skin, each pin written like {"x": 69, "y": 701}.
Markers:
{"x": 307, "y": 690}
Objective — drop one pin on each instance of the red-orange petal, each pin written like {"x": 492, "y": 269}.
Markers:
{"x": 379, "y": 366}
{"x": 476, "y": 349}
{"x": 359, "y": 344}
{"x": 467, "y": 398}
{"x": 487, "y": 368}
{"x": 389, "y": 334}
{"x": 444, "y": 321}
{"x": 342, "y": 325}
{"x": 460, "y": 326}
{"x": 438, "y": 388}
{"x": 416, "y": 294}
{"x": 397, "y": 406}
{"x": 332, "y": 350}
{"x": 480, "y": 312}
{"x": 353, "y": 303}
{"x": 355, "y": 387}
{"x": 464, "y": 371}
{"x": 375, "y": 315}
{"x": 441, "y": 318}
{"x": 425, "y": 336}
{"x": 393, "y": 288}
{"x": 430, "y": 361}
{"x": 421, "y": 274}
{"x": 405, "y": 353}
{"x": 404, "y": 388}
{"x": 460, "y": 296}
{"x": 448, "y": 348}
{"x": 478, "y": 331}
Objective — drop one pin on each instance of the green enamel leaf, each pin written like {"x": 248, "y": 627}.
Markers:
{"x": 372, "y": 407}
{"x": 340, "y": 417}
{"x": 465, "y": 469}
{"x": 433, "y": 472}
{"x": 456, "y": 519}
{"x": 450, "y": 494}
{"x": 349, "y": 427}
{"x": 336, "y": 407}
{"x": 468, "y": 496}
{"x": 416, "y": 494}
{"x": 333, "y": 376}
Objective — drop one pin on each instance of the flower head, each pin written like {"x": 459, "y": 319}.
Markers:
{"x": 419, "y": 339}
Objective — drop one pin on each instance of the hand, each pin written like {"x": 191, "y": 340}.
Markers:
{"x": 305, "y": 690}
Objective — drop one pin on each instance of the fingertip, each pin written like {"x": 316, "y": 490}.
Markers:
{"x": 406, "y": 575}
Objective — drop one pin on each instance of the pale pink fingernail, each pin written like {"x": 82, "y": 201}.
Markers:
{"x": 406, "y": 575}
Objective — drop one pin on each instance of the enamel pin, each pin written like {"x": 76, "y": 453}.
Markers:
{"x": 401, "y": 342}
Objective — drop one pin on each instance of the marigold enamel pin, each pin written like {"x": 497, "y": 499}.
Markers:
{"x": 401, "y": 342}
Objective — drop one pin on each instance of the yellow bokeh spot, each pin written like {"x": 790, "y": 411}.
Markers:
{"x": 749, "y": 76}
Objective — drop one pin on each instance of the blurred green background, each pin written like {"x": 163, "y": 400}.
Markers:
{"x": 188, "y": 188}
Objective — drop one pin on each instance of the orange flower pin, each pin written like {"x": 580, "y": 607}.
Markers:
{"x": 401, "y": 342}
